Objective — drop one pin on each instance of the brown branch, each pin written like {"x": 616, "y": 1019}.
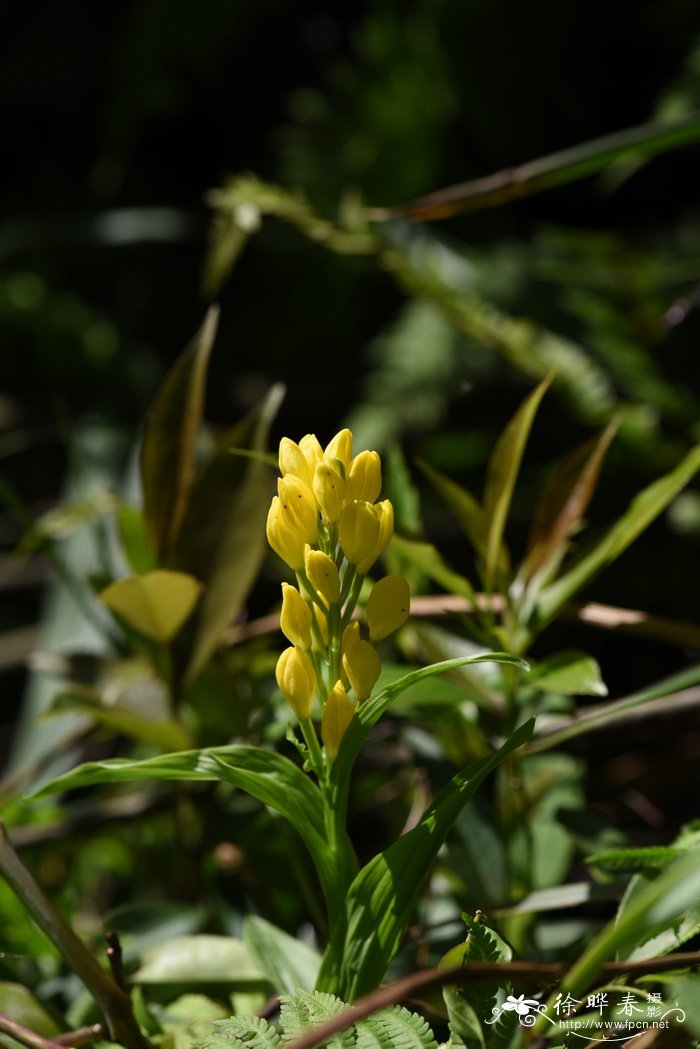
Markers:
{"x": 24, "y": 1035}
{"x": 81, "y": 1036}
{"x": 474, "y": 972}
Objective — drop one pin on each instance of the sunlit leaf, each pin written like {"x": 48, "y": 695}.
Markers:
{"x": 156, "y": 604}
{"x": 382, "y": 898}
{"x": 564, "y": 500}
{"x": 134, "y": 539}
{"x": 643, "y": 509}
{"x": 198, "y": 959}
{"x": 288, "y": 963}
{"x": 169, "y": 440}
{"x": 569, "y": 673}
{"x": 502, "y": 472}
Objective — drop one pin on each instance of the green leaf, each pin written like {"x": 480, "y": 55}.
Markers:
{"x": 569, "y": 673}
{"x": 643, "y": 509}
{"x": 134, "y": 539}
{"x": 425, "y": 557}
{"x": 660, "y": 901}
{"x": 222, "y": 537}
{"x": 156, "y": 604}
{"x": 20, "y": 1005}
{"x": 382, "y": 898}
{"x": 686, "y": 991}
{"x": 644, "y": 859}
{"x": 287, "y": 963}
{"x": 565, "y": 499}
{"x": 501, "y": 474}
{"x": 556, "y": 169}
{"x": 372, "y": 709}
{"x": 304, "y": 1010}
{"x": 394, "y": 1028}
{"x": 270, "y": 777}
{"x": 199, "y": 959}
{"x": 428, "y": 560}
{"x": 618, "y": 711}
{"x": 170, "y": 436}
{"x": 240, "y": 1032}
{"x": 482, "y": 944}
{"x": 465, "y": 509}
{"x": 156, "y": 732}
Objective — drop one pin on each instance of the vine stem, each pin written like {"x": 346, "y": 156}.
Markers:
{"x": 113, "y": 1001}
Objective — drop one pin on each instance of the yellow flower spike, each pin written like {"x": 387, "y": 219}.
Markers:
{"x": 359, "y": 531}
{"x": 362, "y": 666}
{"x": 388, "y": 606}
{"x": 312, "y": 451}
{"x": 299, "y": 506}
{"x": 293, "y": 461}
{"x": 285, "y": 540}
{"x": 364, "y": 480}
{"x": 340, "y": 447}
{"x": 295, "y": 617}
{"x": 322, "y": 571}
{"x": 296, "y": 679}
{"x": 329, "y": 489}
{"x": 337, "y": 715}
{"x": 385, "y": 513}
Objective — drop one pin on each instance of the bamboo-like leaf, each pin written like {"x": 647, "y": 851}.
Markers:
{"x": 556, "y": 169}
{"x": 381, "y": 899}
{"x": 569, "y": 673}
{"x": 616, "y": 712}
{"x": 156, "y": 604}
{"x": 169, "y": 440}
{"x": 222, "y": 537}
{"x": 565, "y": 499}
{"x": 428, "y": 560}
{"x": 288, "y": 963}
{"x": 466, "y": 510}
{"x": 643, "y": 509}
{"x": 162, "y": 733}
{"x": 372, "y": 709}
{"x": 502, "y": 473}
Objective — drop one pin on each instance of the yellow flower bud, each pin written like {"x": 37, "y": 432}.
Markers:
{"x": 312, "y": 451}
{"x": 295, "y": 617}
{"x": 364, "y": 480}
{"x": 385, "y": 513}
{"x": 296, "y": 679}
{"x": 358, "y": 530}
{"x": 329, "y": 489}
{"x": 283, "y": 538}
{"x": 323, "y": 573}
{"x": 362, "y": 665}
{"x": 293, "y": 462}
{"x": 340, "y": 447}
{"x": 388, "y": 606}
{"x": 351, "y": 636}
{"x": 337, "y": 715}
{"x": 299, "y": 506}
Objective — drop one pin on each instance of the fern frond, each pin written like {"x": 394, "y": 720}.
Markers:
{"x": 395, "y": 1028}
{"x": 240, "y": 1032}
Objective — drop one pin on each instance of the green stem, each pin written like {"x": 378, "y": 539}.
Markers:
{"x": 315, "y": 752}
{"x": 113, "y": 1001}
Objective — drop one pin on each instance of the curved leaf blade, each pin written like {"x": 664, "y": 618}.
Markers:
{"x": 502, "y": 472}
{"x": 382, "y": 898}
{"x": 170, "y": 435}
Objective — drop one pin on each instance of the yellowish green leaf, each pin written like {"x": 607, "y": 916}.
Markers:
{"x": 156, "y": 604}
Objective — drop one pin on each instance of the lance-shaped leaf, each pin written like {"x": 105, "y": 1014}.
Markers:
{"x": 428, "y": 560}
{"x": 222, "y": 537}
{"x": 170, "y": 436}
{"x": 565, "y": 499}
{"x": 156, "y": 604}
{"x": 643, "y": 509}
{"x": 270, "y": 777}
{"x": 502, "y": 473}
{"x": 466, "y": 510}
{"x": 383, "y": 896}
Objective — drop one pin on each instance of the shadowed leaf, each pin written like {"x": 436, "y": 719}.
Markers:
{"x": 169, "y": 440}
